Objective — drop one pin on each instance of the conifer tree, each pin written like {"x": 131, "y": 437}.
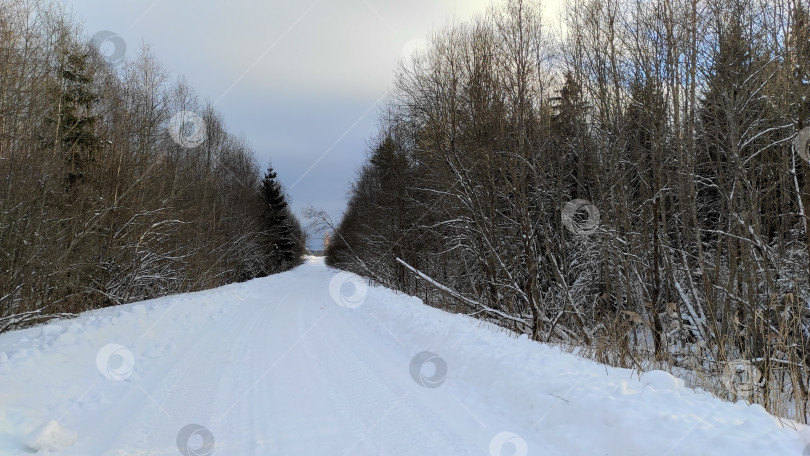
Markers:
{"x": 74, "y": 118}
{"x": 282, "y": 231}
{"x": 570, "y": 133}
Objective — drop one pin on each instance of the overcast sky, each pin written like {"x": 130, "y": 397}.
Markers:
{"x": 301, "y": 80}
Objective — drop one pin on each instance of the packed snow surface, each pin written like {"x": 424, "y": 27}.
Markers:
{"x": 314, "y": 362}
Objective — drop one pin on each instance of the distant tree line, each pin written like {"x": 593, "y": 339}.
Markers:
{"x": 107, "y": 195}
{"x": 627, "y": 185}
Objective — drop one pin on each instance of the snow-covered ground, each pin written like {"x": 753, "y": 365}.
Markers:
{"x": 312, "y": 362}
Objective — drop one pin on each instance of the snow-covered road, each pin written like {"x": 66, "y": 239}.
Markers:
{"x": 307, "y": 363}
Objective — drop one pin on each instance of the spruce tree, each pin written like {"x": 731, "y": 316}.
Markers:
{"x": 570, "y": 134}
{"x": 284, "y": 235}
{"x": 74, "y": 119}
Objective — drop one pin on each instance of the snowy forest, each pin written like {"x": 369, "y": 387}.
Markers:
{"x": 625, "y": 182}
{"x": 119, "y": 183}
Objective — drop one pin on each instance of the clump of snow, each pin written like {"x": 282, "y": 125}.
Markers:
{"x": 49, "y": 436}
{"x": 661, "y": 381}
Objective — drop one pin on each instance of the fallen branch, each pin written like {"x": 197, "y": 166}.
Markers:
{"x": 460, "y": 297}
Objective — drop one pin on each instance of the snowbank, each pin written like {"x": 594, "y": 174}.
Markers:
{"x": 575, "y": 406}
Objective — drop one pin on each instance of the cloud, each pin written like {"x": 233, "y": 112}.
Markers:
{"x": 306, "y": 70}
